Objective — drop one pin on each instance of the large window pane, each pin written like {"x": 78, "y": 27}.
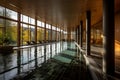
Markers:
{"x": 47, "y": 34}
{"x": 2, "y": 11}
{"x": 42, "y": 33}
{"x": 32, "y": 21}
{"x": 11, "y": 32}
{"x": 58, "y": 35}
{"x": 39, "y": 34}
{"x": 24, "y": 18}
{"x": 11, "y": 14}
{"x": 53, "y": 35}
{"x": 53, "y": 28}
{"x": 25, "y": 34}
{"x": 47, "y": 26}
{"x": 39, "y": 23}
{"x": 43, "y": 24}
{"x": 1, "y": 30}
{"x": 32, "y": 33}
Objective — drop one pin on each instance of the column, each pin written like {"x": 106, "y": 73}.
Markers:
{"x": 45, "y": 42}
{"x": 35, "y": 29}
{"x": 36, "y": 62}
{"x": 108, "y": 37}
{"x": 76, "y": 34}
{"x": 45, "y": 32}
{"x": 78, "y": 29}
{"x": 88, "y": 31}
{"x": 81, "y": 34}
{"x": 51, "y": 42}
{"x": 19, "y": 61}
{"x": 19, "y": 29}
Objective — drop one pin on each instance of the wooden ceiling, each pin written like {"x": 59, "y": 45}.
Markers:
{"x": 62, "y": 13}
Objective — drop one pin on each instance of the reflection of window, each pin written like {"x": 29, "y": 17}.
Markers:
{"x": 11, "y": 14}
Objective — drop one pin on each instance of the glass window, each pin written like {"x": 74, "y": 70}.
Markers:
{"x": 39, "y": 23}
{"x": 53, "y": 35}
{"x": 32, "y": 21}
{"x": 2, "y": 11}
{"x": 40, "y": 34}
{"x": 58, "y": 35}
{"x": 53, "y": 28}
{"x": 24, "y": 34}
{"x": 24, "y": 18}
{"x": 47, "y": 26}
{"x": 47, "y": 34}
{"x": 32, "y": 33}
{"x": 11, "y": 32}
{"x": 11, "y": 14}
{"x": 43, "y": 24}
{"x": 1, "y": 30}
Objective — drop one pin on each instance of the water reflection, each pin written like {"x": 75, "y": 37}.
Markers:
{"x": 27, "y": 59}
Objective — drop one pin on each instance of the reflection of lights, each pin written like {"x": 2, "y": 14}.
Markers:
{"x": 101, "y": 36}
{"x": 117, "y": 46}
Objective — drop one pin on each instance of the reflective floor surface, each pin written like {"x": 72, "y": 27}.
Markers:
{"x": 27, "y": 59}
{"x": 51, "y": 61}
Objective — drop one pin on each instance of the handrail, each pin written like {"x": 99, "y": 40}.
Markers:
{"x": 92, "y": 72}
{"x": 94, "y": 76}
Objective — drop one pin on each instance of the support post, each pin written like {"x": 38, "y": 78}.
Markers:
{"x": 108, "y": 37}
{"x": 88, "y": 31}
{"x": 81, "y": 34}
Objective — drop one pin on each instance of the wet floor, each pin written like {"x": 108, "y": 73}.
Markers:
{"x": 27, "y": 59}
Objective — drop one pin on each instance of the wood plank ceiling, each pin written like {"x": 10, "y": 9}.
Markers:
{"x": 62, "y": 13}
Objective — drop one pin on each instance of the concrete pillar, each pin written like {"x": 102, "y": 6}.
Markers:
{"x": 51, "y": 42}
{"x": 76, "y": 34}
{"x": 108, "y": 37}
{"x": 81, "y": 33}
{"x": 35, "y": 29}
{"x": 19, "y": 30}
{"x": 88, "y": 31}
{"x": 78, "y": 29}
